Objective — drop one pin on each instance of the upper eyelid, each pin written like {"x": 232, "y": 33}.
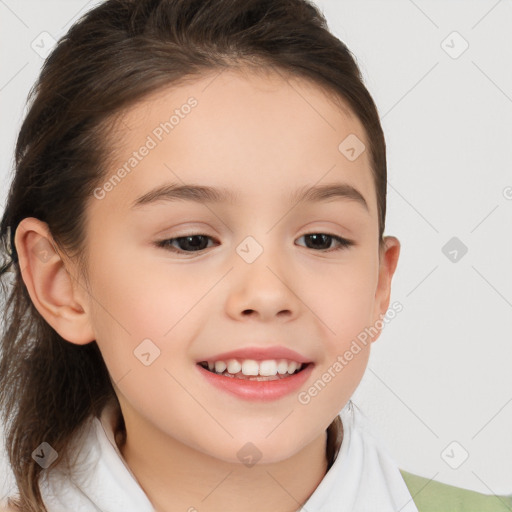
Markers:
{"x": 311, "y": 232}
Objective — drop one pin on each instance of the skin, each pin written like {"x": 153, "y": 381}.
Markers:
{"x": 263, "y": 137}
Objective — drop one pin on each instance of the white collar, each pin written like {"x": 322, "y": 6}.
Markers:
{"x": 101, "y": 480}
{"x": 363, "y": 478}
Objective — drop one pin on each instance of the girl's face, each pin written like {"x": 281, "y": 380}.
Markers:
{"x": 254, "y": 279}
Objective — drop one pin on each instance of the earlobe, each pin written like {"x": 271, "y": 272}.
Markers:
{"x": 51, "y": 288}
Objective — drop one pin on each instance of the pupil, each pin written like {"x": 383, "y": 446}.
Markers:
{"x": 185, "y": 241}
{"x": 316, "y": 237}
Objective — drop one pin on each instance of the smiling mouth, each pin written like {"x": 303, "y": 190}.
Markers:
{"x": 252, "y": 373}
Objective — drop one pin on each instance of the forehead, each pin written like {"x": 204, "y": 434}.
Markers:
{"x": 253, "y": 132}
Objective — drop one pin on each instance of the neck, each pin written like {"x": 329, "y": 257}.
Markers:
{"x": 175, "y": 476}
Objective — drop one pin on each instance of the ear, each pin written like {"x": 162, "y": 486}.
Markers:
{"x": 389, "y": 254}
{"x": 56, "y": 295}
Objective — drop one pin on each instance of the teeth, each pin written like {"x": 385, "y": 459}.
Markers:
{"x": 250, "y": 367}
{"x": 282, "y": 367}
{"x": 268, "y": 368}
{"x": 253, "y": 368}
{"x": 234, "y": 366}
{"x": 220, "y": 366}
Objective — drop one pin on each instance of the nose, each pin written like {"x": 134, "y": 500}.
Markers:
{"x": 263, "y": 289}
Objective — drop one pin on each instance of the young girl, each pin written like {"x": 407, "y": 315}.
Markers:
{"x": 196, "y": 269}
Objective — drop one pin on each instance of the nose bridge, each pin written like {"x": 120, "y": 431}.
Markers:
{"x": 261, "y": 277}
{"x": 258, "y": 254}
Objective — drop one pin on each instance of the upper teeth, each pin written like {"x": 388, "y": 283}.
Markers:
{"x": 265, "y": 368}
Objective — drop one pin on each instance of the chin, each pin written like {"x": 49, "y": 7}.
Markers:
{"x": 259, "y": 451}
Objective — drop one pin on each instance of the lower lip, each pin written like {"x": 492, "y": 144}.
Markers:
{"x": 258, "y": 390}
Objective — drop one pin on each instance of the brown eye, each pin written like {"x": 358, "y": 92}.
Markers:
{"x": 199, "y": 242}
{"x": 186, "y": 244}
{"x": 322, "y": 242}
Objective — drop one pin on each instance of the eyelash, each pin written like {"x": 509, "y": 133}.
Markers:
{"x": 343, "y": 243}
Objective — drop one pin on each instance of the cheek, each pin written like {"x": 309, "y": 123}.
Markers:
{"x": 344, "y": 306}
{"x": 344, "y": 302}
{"x": 345, "y": 310}
{"x": 133, "y": 300}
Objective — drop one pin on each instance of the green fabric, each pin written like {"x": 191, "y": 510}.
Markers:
{"x": 431, "y": 496}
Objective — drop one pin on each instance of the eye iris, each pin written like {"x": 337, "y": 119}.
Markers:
{"x": 316, "y": 237}
{"x": 190, "y": 245}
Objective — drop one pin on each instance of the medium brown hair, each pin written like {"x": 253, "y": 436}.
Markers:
{"x": 114, "y": 56}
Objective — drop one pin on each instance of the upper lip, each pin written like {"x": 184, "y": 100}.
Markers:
{"x": 259, "y": 354}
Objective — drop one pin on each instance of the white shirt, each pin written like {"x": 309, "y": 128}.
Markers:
{"x": 363, "y": 478}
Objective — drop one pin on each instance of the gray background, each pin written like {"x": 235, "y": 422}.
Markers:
{"x": 439, "y": 383}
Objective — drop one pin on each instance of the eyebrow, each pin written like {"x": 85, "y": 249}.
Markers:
{"x": 206, "y": 194}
